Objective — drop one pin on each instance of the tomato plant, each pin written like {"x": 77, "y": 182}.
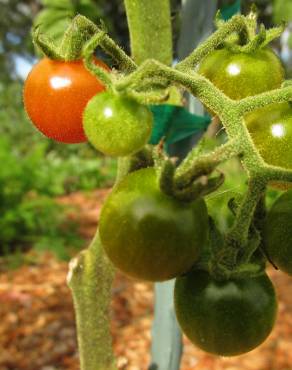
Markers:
{"x": 154, "y": 225}
{"x": 150, "y": 235}
{"x": 278, "y": 232}
{"x": 225, "y": 318}
{"x": 240, "y": 74}
{"x": 55, "y": 95}
{"x": 271, "y": 132}
{"x": 117, "y": 125}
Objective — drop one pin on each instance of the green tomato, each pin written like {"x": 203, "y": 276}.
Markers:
{"x": 117, "y": 125}
{"x": 240, "y": 74}
{"x": 226, "y": 318}
{"x": 271, "y": 131}
{"x": 148, "y": 234}
{"x": 278, "y": 233}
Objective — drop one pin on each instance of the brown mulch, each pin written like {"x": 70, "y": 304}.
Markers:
{"x": 37, "y": 330}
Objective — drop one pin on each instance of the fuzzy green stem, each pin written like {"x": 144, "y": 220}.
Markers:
{"x": 273, "y": 174}
{"x": 240, "y": 230}
{"x": 125, "y": 63}
{"x": 90, "y": 278}
{"x": 101, "y": 39}
{"x": 236, "y": 24}
{"x": 45, "y": 44}
{"x": 150, "y": 30}
{"x": 79, "y": 32}
{"x": 88, "y": 54}
{"x": 198, "y": 85}
{"x": 251, "y": 103}
{"x": 194, "y": 166}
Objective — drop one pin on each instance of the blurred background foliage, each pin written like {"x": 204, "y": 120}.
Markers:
{"x": 35, "y": 170}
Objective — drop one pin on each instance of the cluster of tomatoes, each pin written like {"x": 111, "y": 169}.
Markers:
{"x": 152, "y": 236}
{"x": 68, "y": 104}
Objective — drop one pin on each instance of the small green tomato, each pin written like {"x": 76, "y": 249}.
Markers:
{"x": 271, "y": 131}
{"x": 117, "y": 125}
{"x": 240, "y": 74}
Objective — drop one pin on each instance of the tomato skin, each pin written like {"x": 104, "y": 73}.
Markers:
{"x": 278, "y": 233}
{"x": 149, "y": 235}
{"x": 55, "y": 95}
{"x": 240, "y": 75}
{"x": 117, "y": 125}
{"x": 225, "y": 318}
{"x": 271, "y": 131}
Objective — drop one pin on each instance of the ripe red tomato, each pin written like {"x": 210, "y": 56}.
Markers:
{"x": 55, "y": 95}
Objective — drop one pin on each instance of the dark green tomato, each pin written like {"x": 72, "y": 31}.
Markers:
{"x": 117, "y": 125}
{"x": 278, "y": 233}
{"x": 225, "y": 318}
{"x": 149, "y": 235}
{"x": 240, "y": 75}
{"x": 271, "y": 131}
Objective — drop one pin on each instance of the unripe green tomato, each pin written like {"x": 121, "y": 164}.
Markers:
{"x": 226, "y": 318}
{"x": 240, "y": 74}
{"x": 117, "y": 125}
{"x": 149, "y": 235}
{"x": 278, "y": 233}
{"x": 271, "y": 131}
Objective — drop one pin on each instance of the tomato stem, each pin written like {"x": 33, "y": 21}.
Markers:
{"x": 244, "y": 215}
{"x": 77, "y": 34}
{"x": 90, "y": 279}
{"x": 236, "y": 24}
{"x": 150, "y": 37}
{"x": 88, "y": 54}
{"x": 194, "y": 165}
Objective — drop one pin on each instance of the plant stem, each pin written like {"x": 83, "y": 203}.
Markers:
{"x": 261, "y": 100}
{"x": 237, "y": 23}
{"x": 240, "y": 230}
{"x": 195, "y": 165}
{"x": 150, "y": 30}
{"x": 90, "y": 279}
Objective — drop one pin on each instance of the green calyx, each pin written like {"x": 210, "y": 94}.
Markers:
{"x": 249, "y": 41}
{"x": 78, "y": 33}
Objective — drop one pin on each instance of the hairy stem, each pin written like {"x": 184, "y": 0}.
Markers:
{"x": 261, "y": 100}
{"x": 150, "y": 30}
{"x": 194, "y": 165}
{"x": 90, "y": 279}
{"x": 240, "y": 230}
{"x": 236, "y": 24}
